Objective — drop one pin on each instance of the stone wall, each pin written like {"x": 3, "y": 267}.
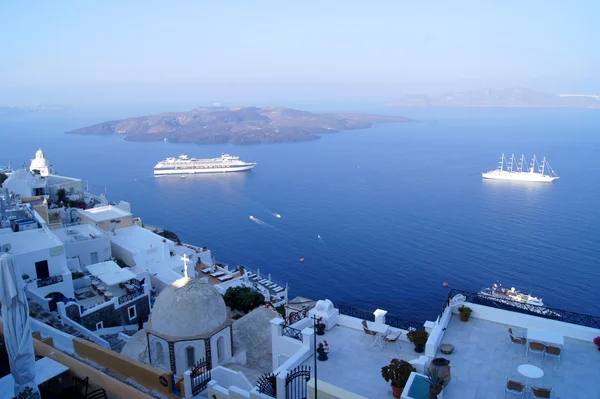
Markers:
{"x": 109, "y": 316}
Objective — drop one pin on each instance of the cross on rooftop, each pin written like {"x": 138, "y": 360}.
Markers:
{"x": 185, "y": 260}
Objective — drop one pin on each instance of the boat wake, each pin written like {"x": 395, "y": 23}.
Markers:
{"x": 258, "y": 221}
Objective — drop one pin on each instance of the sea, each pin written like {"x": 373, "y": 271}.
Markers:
{"x": 383, "y": 217}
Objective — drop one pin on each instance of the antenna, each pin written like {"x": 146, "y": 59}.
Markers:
{"x": 5, "y": 248}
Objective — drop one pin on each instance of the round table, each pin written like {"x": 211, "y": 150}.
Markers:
{"x": 530, "y": 371}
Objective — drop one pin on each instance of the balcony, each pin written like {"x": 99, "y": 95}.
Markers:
{"x": 44, "y": 282}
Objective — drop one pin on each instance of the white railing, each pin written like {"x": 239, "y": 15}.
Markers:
{"x": 61, "y": 340}
{"x": 78, "y": 327}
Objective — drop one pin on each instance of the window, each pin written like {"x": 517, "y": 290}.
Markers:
{"x": 189, "y": 355}
{"x": 159, "y": 353}
{"x": 132, "y": 313}
{"x": 41, "y": 269}
{"x": 71, "y": 191}
{"x": 221, "y": 349}
{"x": 99, "y": 325}
{"x": 94, "y": 258}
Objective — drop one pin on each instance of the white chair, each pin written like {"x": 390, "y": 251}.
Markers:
{"x": 515, "y": 388}
{"x": 553, "y": 351}
{"x": 536, "y": 348}
{"x": 393, "y": 338}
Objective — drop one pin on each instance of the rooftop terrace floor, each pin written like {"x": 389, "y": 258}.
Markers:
{"x": 484, "y": 357}
{"x": 355, "y": 365}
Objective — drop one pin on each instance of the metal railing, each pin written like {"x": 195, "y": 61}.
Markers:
{"x": 565, "y": 316}
{"x": 392, "y": 321}
{"x": 291, "y": 332}
{"x": 129, "y": 296}
{"x": 44, "y": 282}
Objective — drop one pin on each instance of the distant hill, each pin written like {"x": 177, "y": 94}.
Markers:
{"x": 15, "y": 110}
{"x": 508, "y": 98}
{"x": 235, "y": 125}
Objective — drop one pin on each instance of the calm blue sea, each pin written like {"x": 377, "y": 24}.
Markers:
{"x": 400, "y": 208}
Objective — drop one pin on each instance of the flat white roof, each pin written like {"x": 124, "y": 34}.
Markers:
{"x": 104, "y": 213}
{"x": 78, "y": 233}
{"x": 56, "y": 179}
{"x": 110, "y": 273}
{"x": 23, "y": 242}
{"x": 138, "y": 238}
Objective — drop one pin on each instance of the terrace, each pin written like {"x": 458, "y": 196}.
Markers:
{"x": 107, "y": 282}
{"x": 354, "y": 364}
{"x": 482, "y": 360}
{"x": 484, "y": 357}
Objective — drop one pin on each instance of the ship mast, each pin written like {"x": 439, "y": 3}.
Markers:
{"x": 543, "y": 165}
{"x": 501, "y": 166}
{"x": 511, "y": 163}
{"x": 533, "y": 164}
{"x": 521, "y": 161}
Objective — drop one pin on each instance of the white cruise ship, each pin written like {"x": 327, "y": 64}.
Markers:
{"x": 187, "y": 165}
{"x": 514, "y": 298}
{"x": 536, "y": 173}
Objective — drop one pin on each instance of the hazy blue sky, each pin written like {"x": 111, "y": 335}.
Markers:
{"x": 59, "y": 51}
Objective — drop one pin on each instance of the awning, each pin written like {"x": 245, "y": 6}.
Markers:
{"x": 118, "y": 277}
{"x": 110, "y": 273}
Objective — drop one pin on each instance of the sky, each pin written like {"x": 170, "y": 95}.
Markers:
{"x": 70, "y": 52}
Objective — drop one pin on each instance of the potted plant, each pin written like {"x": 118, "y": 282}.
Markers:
{"x": 397, "y": 374}
{"x": 321, "y": 326}
{"x": 419, "y": 338}
{"x": 323, "y": 350}
{"x": 465, "y": 313}
{"x": 436, "y": 383}
{"x": 597, "y": 342}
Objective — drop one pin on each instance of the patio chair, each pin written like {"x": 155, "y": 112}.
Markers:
{"x": 518, "y": 339}
{"x": 541, "y": 392}
{"x": 97, "y": 394}
{"x": 367, "y": 331}
{"x": 78, "y": 390}
{"x": 553, "y": 351}
{"x": 393, "y": 338}
{"x": 514, "y": 388}
{"x": 537, "y": 348}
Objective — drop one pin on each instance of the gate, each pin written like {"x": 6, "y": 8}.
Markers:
{"x": 200, "y": 376}
{"x": 267, "y": 384}
{"x": 296, "y": 383}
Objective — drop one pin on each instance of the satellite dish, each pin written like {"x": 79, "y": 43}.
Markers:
{"x": 5, "y": 248}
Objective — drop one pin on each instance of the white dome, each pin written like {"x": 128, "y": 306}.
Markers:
{"x": 188, "y": 308}
{"x": 39, "y": 161}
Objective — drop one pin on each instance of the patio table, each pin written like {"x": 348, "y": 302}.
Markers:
{"x": 381, "y": 330}
{"x": 546, "y": 337}
{"x": 529, "y": 371}
{"x": 45, "y": 369}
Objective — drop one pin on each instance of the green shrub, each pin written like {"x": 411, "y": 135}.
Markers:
{"x": 120, "y": 262}
{"x": 243, "y": 299}
{"x": 76, "y": 275}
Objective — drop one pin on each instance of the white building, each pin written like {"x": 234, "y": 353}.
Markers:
{"x": 25, "y": 184}
{"x": 41, "y": 164}
{"x": 40, "y": 257}
{"x": 85, "y": 243}
{"x": 73, "y": 187}
{"x": 144, "y": 250}
{"x": 109, "y": 217}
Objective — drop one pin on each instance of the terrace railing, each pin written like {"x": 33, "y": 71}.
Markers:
{"x": 291, "y": 332}
{"x": 392, "y": 321}
{"x": 131, "y": 295}
{"x": 44, "y": 282}
{"x": 565, "y": 316}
